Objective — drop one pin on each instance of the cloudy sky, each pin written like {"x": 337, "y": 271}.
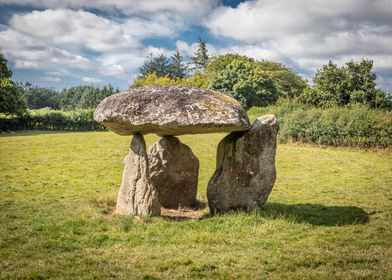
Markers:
{"x": 61, "y": 43}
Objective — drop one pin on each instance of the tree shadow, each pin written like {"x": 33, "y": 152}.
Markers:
{"x": 316, "y": 214}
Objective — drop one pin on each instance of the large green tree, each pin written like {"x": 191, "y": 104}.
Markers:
{"x": 354, "y": 82}
{"x": 246, "y": 82}
{"x": 84, "y": 97}
{"x": 285, "y": 83}
{"x": 289, "y": 84}
{"x": 218, "y": 63}
{"x": 4, "y": 71}
{"x": 40, "y": 97}
{"x": 11, "y": 101}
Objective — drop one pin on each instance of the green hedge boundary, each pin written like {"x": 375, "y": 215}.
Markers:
{"x": 46, "y": 119}
{"x": 354, "y": 126}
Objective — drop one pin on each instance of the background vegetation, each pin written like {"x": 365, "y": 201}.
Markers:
{"x": 11, "y": 101}
{"x": 355, "y": 126}
{"x": 343, "y": 106}
{"x": 262, "y": 82}
{"x": 48, "y": 119}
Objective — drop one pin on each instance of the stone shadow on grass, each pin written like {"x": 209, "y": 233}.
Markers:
{"x": 316, "y": 214}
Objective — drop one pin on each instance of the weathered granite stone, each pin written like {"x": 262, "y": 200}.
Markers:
{"x": 137, "y": 196}
{"x": 245, "y": 172}
{"x": 174, "y": 172}
{"x": 171, "y": 110}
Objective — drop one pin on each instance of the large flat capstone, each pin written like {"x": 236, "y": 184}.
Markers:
{"x": 171, "y": 110}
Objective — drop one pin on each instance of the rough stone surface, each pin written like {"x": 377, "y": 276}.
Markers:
{"x": 174, "y": 172}
{"x": 245, "y": 172}
{"x": 171, "y": 110}
{"x": 137, "y": 195}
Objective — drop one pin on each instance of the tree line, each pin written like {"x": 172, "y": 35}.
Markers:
{"x": 342, "y": 107}
{"x": 175, "y": 67}
{"x": 262, "y": 82}
{"x": 77, "y": 97}
{"x": 15, "y": 98}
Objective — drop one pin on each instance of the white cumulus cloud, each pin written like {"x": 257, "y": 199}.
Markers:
{"x": 72, "y": 39}
{"x": 91, "y": 80}
{"x": 188, "y": 8}
{"x": 308, "y": 33}
{"x": 65, "y": 39}
{"x": 73, "y": 29}
{"x": 50, "y": 79}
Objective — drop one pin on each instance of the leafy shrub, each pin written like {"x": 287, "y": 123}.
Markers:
{"x": 338, "y": 126}
{"x": 197, "y": 80}
{"x": 11, "y": 101}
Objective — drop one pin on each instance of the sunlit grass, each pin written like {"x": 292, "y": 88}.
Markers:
{"x": 329, "y": 216}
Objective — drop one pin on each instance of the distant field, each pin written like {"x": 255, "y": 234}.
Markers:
{"x": 328, "y": 217}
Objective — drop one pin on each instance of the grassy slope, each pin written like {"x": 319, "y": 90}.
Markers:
{"x": 329, "y": 216}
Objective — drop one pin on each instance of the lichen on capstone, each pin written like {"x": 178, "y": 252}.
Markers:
{"x": 171, "y": 110}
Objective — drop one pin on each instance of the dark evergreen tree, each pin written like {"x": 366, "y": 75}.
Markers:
{"x": 155, "y": 64}
{"x": 200, "y": 57}
{"x": 177, "y": 68}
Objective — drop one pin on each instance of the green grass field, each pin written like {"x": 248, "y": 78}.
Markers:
{"x": 328, "y": 217}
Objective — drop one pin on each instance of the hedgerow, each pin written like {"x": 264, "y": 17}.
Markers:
{"x": 356, "y": 126}
{"x": 48, "y": 119}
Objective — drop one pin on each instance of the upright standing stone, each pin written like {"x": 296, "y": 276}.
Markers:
{"x": 245, "y": 172}
{"x": 137, "y": 196}
{"x": 174, "y": 171}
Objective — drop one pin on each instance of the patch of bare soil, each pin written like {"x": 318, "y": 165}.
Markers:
{"x": 197, "y": 212}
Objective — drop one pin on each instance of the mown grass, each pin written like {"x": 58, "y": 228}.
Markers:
{"x": 328, "y": 217}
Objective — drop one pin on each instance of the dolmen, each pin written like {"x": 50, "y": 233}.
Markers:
{"x": 168, "y": 174}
